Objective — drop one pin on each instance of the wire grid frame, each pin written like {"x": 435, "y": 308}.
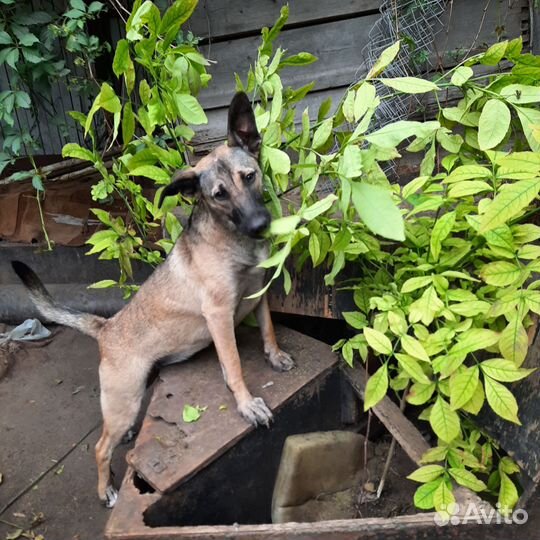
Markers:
{"x": 415, "y": 23}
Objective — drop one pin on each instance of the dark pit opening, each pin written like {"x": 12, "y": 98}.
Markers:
{"x": 238, "y": 487}
{"x": 142, "y": 485}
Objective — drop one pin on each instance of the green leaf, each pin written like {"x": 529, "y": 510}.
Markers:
{"x": 411, "y": 366}
{"x": 179, "y": 12}
{"x": 279, "y": 161}
{"x": 493, "y": 125}
{"x": 444, "y": 421}
{"x": 322, "y": 134}
{"x": 426, "y": 307}
{"x": 189, "y": 109}
{"x": 378, "y": 211}
{"x": 467, "y": 172}
{"x": 470, "y": 308}
{"x": 475, "y": 404}
{"x": 128, "y": 124}
{"x": 412, "y": 284}
{"x": 103, "y": 284}
{"x": 151, "y": 171}
{"x": 467, "y": 479}
{"x": 501, "y": 400}
{"x": 413, "y": 347}
{"x": 350, "y": 164}
{"x": 514, "y": 342}
{"x": 530, "y": 118}
{"x": 475, "y": 339}
{"x": 508, "y": 465}
{"x": 364, "y": 100}
{"x": 107, "y": 100}
{"x": 508, "y": 203}
{"x": 121, "y": 59}
{"x": 284, "y": 225}
{"x": 443, "y": 498}
{"x": 461, "y": 75}
{"x": 462, "y": 386}
{"x": 508, "y": 494}
{"x": 442, "y": 228}
{"x": 420, "y": 393}
{"x": 300, "y": 59}
{"x": 22, "y": 99}
{"x": 28, "y": 39}
{"x": 378, "y": 341}
{"x": 423, "y": 496}
{"x": 355, "y": 319}
{"x": 393, "y": 134}
{"x": 318, "y": 208}
{"x": 437, "y": 453}
{"x": 500, "y": 273}
{"x": 376, "y": 387}
{"x": 72, "y": 150}
{"x": 504, "y": 370}
{"x": 521, "y": 93}
{"x": 192, "y": 414}
{"x": 384, "y": 60}
{"x": 467, "y": 188}
{"x": 427, "y": 473}
{"x": 494, "y": 54}
{"x": 410, "y": 85}
{"x": 5, "y": 38}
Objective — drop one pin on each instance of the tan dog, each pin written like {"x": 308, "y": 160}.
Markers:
{"x": 195, "y": 297}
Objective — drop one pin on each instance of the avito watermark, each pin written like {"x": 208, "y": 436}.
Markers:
{"x": 456, "y": 514}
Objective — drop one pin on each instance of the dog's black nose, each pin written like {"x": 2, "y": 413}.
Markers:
{"x": 259, "y": 223}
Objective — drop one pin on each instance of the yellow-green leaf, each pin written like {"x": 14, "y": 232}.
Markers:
{"x": 462, "y": 386}
{"x": 461, "y": 75}
{"x": 442, "y": 228}
{"x": 385, "y": 59}
{"x": 410, "y": 85}
{"x": 413, "y": 347}
{"x": 501, "y": 400}
{"x": 443, "y": 498}
{"x": 412, "y": 368}
{"x": 514, "y": 342}
{"x": 500, "y": 273}
{"x": 376, "y": 387}
{"x": 378, "y": 341}
{"x": 504, "y": 370}
{"x": 493, "y": 124}
{"x": 467, "y": 479}
{"x": 412, "y": 284}
{"x": 423, "y": 496}
{"x": 444, "y": 421}
{"x": 508, "y": 494}
{"x": 468, "y": 187}
{"x": 427, "y": 473}
{"x": 420, "y": 393}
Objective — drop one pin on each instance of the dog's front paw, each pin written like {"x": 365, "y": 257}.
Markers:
{"x": 255, "y": 412}
{"x": 280, "y": 360}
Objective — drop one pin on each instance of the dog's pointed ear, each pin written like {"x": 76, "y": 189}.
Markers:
{"x": 185, "y": 181}
{"x": 242, "y": 129}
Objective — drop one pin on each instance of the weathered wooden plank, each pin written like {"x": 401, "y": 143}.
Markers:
{"x": 169, "y": 451}
{"x": 218, "y": 18}
{"x": 402, "y": 429}
{"x": 338, "y": 45}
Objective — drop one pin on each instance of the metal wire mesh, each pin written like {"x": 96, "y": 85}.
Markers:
{"x": 415, "y": 23}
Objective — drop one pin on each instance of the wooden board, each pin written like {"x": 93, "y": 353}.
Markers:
{"x": 215, "y": 19}
{"x": 169, "y": 451}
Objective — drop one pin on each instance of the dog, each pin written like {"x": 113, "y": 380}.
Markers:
{"x": 196, "y": 297}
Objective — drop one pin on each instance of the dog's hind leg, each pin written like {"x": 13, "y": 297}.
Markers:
{"x": 121, "y": 395}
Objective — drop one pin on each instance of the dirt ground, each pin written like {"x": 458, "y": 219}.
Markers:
{"x": 49, "y": 424}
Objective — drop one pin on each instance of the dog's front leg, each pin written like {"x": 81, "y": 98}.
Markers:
{"x": 220, "y": 323}
{"x": 278, "y": 359}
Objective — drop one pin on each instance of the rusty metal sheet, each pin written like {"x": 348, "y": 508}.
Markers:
{"x": 169, "y": 450}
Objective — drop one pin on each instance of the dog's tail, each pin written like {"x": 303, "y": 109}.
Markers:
{"x": 84, "y": 322}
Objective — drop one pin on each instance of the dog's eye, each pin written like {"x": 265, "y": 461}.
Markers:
{"x": 249, "y": 177}
{"x": 221, "y": 194}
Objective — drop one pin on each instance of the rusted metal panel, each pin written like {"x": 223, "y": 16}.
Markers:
{"x": 168, "y": 450}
